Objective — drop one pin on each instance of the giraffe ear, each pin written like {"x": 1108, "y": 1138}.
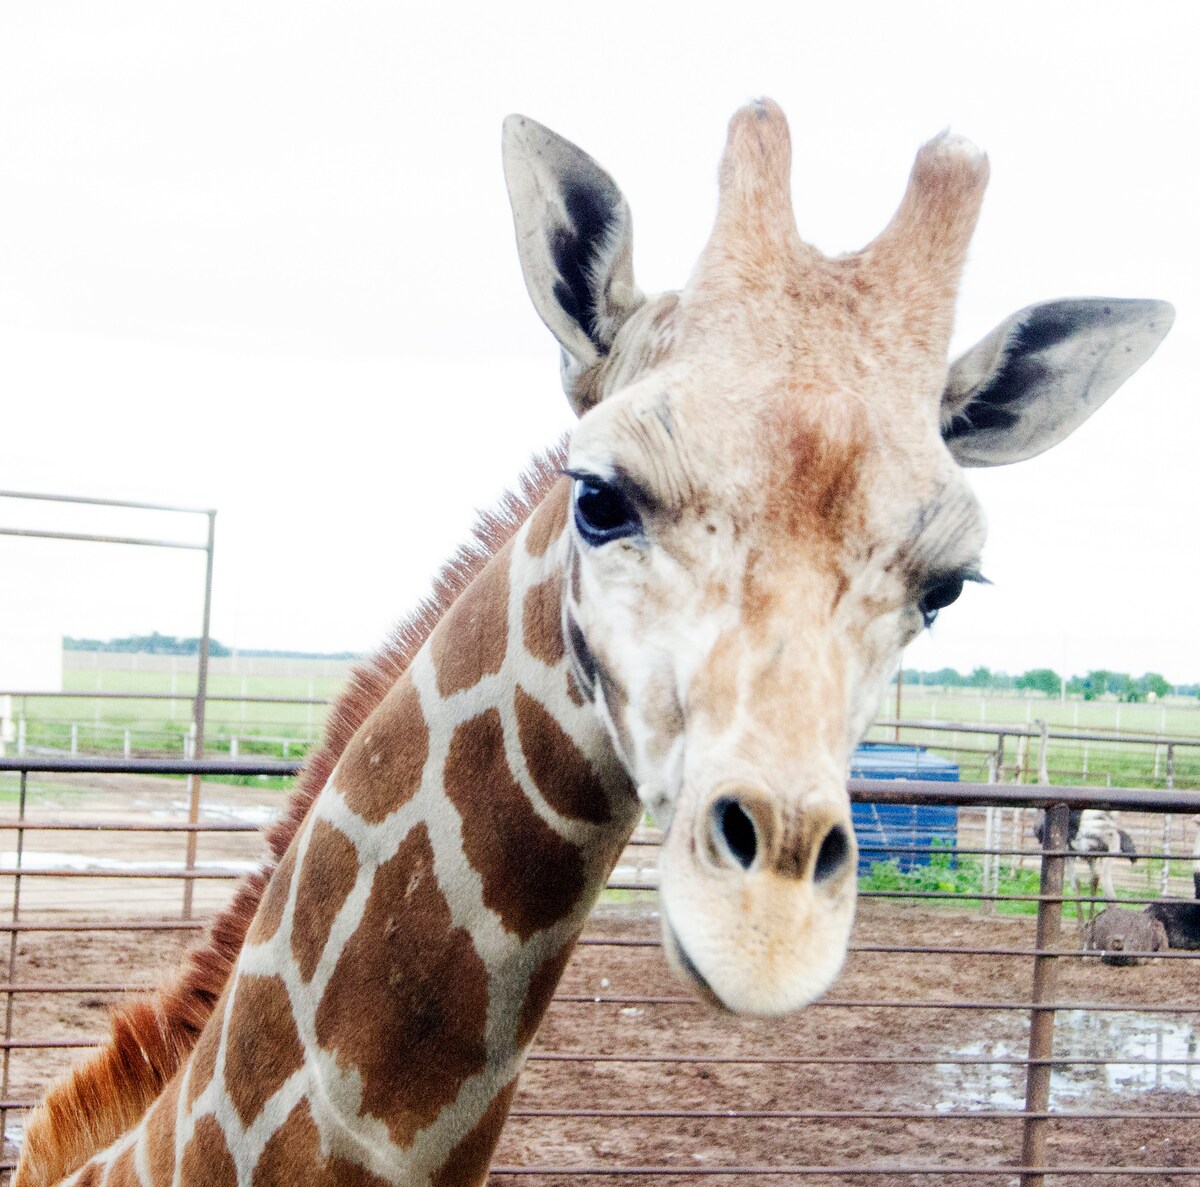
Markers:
{"x": 1039, "y": 375}
{"x": 575, "y": 240}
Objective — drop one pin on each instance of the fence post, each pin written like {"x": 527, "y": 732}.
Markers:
{"x": 199, "y": 711}
{"x": 1022, "y": 759}
{"x": 1045, "y": 978}
{"x": 12, "y": 956}
{"x": 128, "y": 742}
{"x": 1164, "y": 875}
{"x": 990, "y": 832}
{"x": 993, "y": 832}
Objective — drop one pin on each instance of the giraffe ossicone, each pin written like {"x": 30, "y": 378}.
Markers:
{"x": 695, "y": 610}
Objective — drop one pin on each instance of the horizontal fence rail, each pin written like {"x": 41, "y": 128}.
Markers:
{"x": 256, "y": 721}
{"x": 971, "y": 1037}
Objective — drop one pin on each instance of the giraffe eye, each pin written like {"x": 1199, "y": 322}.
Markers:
{"x": 942, "y": 593}
{"x": 603, "y": 513}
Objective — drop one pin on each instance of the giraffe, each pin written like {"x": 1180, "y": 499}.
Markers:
{"x": 695, "y": 609}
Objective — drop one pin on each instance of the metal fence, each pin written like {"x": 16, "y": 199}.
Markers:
{"x": 1004, "y": 751}
{"x": 969, "y": 1036}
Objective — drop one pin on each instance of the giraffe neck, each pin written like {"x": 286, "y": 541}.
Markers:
{"x": 413, "y": 934}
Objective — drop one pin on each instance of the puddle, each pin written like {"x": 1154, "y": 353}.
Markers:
{"x": 1137, "y": 1036}
{"x": 1078, "y": 1033}
{"x": 258, "y": 814}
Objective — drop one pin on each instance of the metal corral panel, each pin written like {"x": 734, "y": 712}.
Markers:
{"x": 883, "y": 826}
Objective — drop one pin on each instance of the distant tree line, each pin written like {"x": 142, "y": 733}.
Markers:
{"x": 152, "y": 644}
{"x": 1096, "y": 684}
{"x": 156, "y": 644}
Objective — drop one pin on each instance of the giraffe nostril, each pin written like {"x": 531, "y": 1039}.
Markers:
{"x": 735, "y": 831}
{"x": 832, "y": 854}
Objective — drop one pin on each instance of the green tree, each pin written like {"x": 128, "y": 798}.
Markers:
{"x": 1122, "y": 685}
{"x": 1155, "y": 683}
{"x": 944, "y": 678}
{"x": 1040, "y": 680}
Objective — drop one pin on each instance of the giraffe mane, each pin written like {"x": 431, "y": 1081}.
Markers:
{"x": 152, "y": 1036}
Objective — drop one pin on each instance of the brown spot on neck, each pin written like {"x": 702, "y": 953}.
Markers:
{"x": 471, "y": 641}
{"x": 262, "y": 1047}
{"x": 204, "y": 1058}
{"x": 543, "y": 629}
{"x": 562, "y": 774}
{"x": 207, "y": 1159}
{"x": 270, "y": 911}
{"x": 160, "y": 1137}
{"x": 292, "y": 1156}
{"x": 531, "y": 876}
{"x": 385, "y": 761}
{"x": 327, "y": 876}
{"x": 549, "y": 520}
{"x": 424, "y": 1033}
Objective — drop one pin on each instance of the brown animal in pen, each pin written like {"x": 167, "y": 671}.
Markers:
{"x": 1124, "y": 937}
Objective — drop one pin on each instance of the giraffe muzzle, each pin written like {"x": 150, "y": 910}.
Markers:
{"x": 744, "y": 830}
{"x": 758, "y": 895}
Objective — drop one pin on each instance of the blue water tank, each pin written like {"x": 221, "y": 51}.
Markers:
{"x": 882, "y": 827}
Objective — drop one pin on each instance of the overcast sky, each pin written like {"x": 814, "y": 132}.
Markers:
{"x": 259, "y": 258}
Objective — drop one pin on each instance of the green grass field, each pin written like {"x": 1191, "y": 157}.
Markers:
{"x": 1070, "y": 762}
{"x": 271, "y": 730}
{"x": 161, "y": 726}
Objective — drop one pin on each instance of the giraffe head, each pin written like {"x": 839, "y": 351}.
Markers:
{"x": 769, "y": 504}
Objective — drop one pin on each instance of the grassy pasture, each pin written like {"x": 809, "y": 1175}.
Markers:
{"x": 1070, "y": 762}
{"x": 156, "y": 725}
{"x": 1179, "y": 716}
{"x": 265, "y": 729}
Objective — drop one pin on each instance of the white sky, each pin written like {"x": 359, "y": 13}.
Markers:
{"x": 259, "y": 258}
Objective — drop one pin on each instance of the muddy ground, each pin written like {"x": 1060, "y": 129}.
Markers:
{"x": 880, "y": 1034}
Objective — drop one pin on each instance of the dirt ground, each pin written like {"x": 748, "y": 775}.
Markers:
{"x": 884, "y": 1034}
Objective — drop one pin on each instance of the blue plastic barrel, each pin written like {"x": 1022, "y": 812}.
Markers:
{"x": 883, "y": 827}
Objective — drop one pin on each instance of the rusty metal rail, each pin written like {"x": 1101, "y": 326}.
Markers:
{"x": 928, "y": 969}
